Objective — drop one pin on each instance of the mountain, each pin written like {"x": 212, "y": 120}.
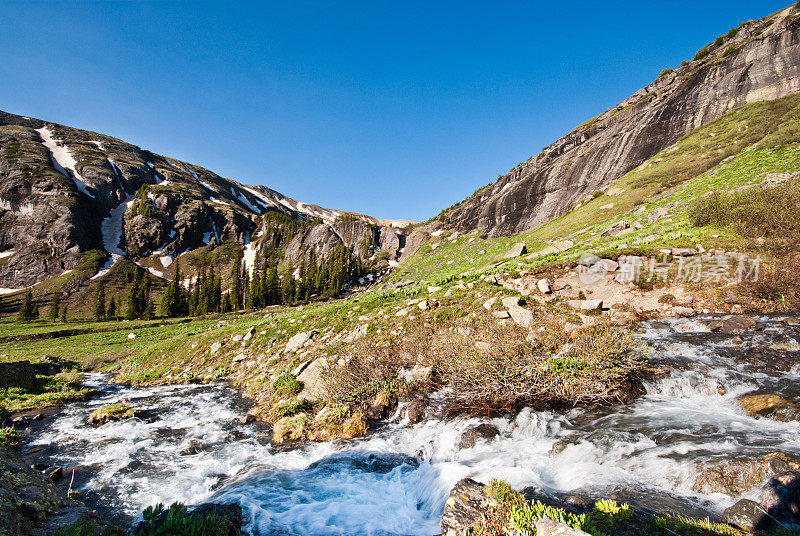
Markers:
{"x": 73, "y": 199}
{"x": 759, "y": 60}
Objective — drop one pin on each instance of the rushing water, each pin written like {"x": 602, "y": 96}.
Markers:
{"x": 396, "y": 480}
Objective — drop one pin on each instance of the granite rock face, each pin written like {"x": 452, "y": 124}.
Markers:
{"x": 764, "y": 64}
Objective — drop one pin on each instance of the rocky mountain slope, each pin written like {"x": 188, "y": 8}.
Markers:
{"x": 759, "y": 60}
{"x": 70, "y": 198}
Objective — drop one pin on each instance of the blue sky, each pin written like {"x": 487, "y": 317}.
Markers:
{"x": 395, "y": 109}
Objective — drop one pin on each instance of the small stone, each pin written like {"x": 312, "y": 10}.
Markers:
{"x": 585, "y": 305}
{"x": 501, "y": 315}
{"x": 431, "y": 290}
{"x": 521, "y": 316}
{"x": 131, "y": 335}
{"x": 488, "y": 304}
{"x": 415, "y": 410}
{"x": 544, "y": 286}
{"x": 215, "y": 348}
{"x": 547, "y": 527}
{"x": 250, "y": 334}
{"x": 657, "y": 214}
{"x": 423, "y": 305}
{"x": 510, "y": 301}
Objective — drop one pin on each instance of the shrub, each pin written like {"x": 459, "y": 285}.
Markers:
{"x": 732, "y": 33}
{"x": 504, "y": 372}
{"x": 286, "y": 384}
{"x": 78, "y": 529}
{"x": 293, "y": 408}
{"x": 730, "y": 50}
{"x": 9, "y": 437}
{"x": 178, "y": 522}
{"x": 718, "y": 41}
{"x": 665, "y": 72}
{"x": 702, "y": 53}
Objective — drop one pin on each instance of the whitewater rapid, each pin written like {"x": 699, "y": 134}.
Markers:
{"x": 396, "y": 481}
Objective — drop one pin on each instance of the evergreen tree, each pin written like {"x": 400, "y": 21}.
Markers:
{"x": 100, "y": 302}
{"x": 287, "y": 285}
{"x": 111, "y": 312}
{"x": 64, "y": 314}
{"x": 26, "y": 311}
{"x": 235, "y": 298}
{"x": 55, "y": 305}
{"x": 226, "y": 303}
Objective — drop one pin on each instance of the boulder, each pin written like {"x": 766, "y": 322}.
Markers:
{"x": 215, "y": 348}
{"x": 522, "y": 316}
{"x": 771, "y": 406}
{"x": 684, "y": 252}
{"x": 737, "y": 325}
{"x": 547, "y": 527}
{"x": 608, "y": 265}
{"x": 466, "y": 504}
{"x": 510, "y": 301}
{"x": 682, "y": 311}
{"x": 299, "y": 340}
{"x": 544, "y": 286}
{"x": 616, "y": 228}
{"x": 249, "y": 335}
{"x": 111, "y": 412}
{"x": 734, "y": 477}
{"x": 657, "y": 214}
{"x": 415, "y": 410}
{"x": 780, "y": 497}
{"x": 418, "y": 373}
{"x": 488, "y": 304}
{"x": 17, "y": 374}
{"x": 585, "y": 305}
{"x": 501, "y": 315}
{"x": 517, "y": 251}
{"x": 747, "y": 515}
{"x": 476, "y": 433}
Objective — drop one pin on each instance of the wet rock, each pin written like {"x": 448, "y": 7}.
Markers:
{"x": 771, "y": 406}
{"x": 415, "y": 410}
{"x": 466, "y": 504}
{"x": 477, "y": 433}
{"x": 737, "y": 325}
{"x": 193, "y": 447}
{"x": 248, "y": 419}
{"x": 734, "y": 477}
{"x": 111, "y": 412}
{"x": 747, "y": 515}
{"x": 780, "y": 497}
{"x": 548, "y": 527}
{"x": 54, "y": 474}
{"x": 17, "y": 374}
{"x": 517, "y": 251}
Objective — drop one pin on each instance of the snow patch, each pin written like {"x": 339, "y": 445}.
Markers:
{"x": 112, "y": 228}
{"x": 166, "y": 261}
{"x": 4, "y": 254}
{"x": 190, "y": 170}
{"x": 63, "y": 160}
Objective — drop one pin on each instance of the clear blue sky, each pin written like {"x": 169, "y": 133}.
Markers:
{"x": 395, "y": 109}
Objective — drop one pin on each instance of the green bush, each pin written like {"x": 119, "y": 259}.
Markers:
{"x": 665, "y": 72}
{"x": 730, "y": 50}
{"x": 78, "y": 529}
{"x": 9, "y": 437}
{"x": 286, "y": 384}
{"x": 177, "y": 522}
{"x": 702, "y": 53}
{"x": 293, "y": 408}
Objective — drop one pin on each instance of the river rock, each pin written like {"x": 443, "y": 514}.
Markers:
{"x": 780, "y": 497}
{"x": 415, "y": 410}
{"x": 771, "y": 406}
{"x": 111, "y": 412}
{"x": 547, "y": 527}
{"x": 476, "y": 433}
{"x": 737, "y": 325}
{"x": 17, "y": 374}
{"x": 466, "y": 504}
{"x": 683, "y": 311}
{"x": 747, "y": 515}
{"x": 734, "y": 477}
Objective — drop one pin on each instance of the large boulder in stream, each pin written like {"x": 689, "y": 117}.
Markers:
{"x": 111, "y": 412}
{"x": 778, "y": 504}
{"x": 734, "y": 477}
{"x": 771, "y": 406}
{"x": 467, "y": 503}
{"x": 477, "y": 433}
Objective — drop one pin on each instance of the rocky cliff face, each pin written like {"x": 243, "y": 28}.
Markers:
{"x": 65, "y": 192}
{"x": 760, "y": 61}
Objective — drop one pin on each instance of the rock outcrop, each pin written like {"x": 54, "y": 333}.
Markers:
{"x": 760, "y": 62}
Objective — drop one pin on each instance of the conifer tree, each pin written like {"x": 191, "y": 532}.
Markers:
{"x": 111, "y": 312}
{"x": 100, "y": 302}
{"x": 64, "y": 314}
{"x": 55, "y": 305}
{"x": 26, "y": 311}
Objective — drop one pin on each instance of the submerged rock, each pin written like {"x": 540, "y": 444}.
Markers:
{"x": 473, "y": 435}
{"x": 111, "y": 412}
{"x": 467, "y": 503}
{"x": 748, "y": 515}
